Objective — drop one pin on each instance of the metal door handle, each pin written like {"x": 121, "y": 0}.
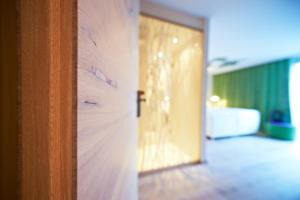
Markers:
{"x": 139, "y": 100}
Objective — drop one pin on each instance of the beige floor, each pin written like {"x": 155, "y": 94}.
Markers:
{"x": 242, "y": 168}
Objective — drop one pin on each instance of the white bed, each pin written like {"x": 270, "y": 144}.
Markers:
{"x": 228, "y": 122}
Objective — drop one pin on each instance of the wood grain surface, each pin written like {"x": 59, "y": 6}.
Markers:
{"x": 8, "y": 100}
{"x": 47, "y": 99}
{"x": 107, "y": 84}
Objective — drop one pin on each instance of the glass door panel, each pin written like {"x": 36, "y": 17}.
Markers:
{"x": 170, "y": 77}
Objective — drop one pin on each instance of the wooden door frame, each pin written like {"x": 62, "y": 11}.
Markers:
{"x": 47, "y": 99}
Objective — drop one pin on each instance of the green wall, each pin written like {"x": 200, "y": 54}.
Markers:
{"x": 263, "y": 87}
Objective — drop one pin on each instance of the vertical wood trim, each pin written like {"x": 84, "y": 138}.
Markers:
{"x": 69, "y": 94}
{"x": 48, "y": 99}
{"x": 8, "y": 100}
{"x": 35, "y": 64}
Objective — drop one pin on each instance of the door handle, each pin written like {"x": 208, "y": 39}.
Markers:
{"x": 139, "y": 100}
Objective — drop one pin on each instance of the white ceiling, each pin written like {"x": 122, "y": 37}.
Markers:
{"x": 251, "y": 31}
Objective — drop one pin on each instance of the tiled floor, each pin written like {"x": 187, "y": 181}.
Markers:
{"x": 242, "y": 168}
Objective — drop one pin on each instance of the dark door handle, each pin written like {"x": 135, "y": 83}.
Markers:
{"x": 139, "y": 100}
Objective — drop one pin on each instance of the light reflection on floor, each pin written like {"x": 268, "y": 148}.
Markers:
{"x": 157, "y": 156}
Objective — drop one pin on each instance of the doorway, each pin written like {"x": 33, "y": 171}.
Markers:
{"x": 294, "y": 94}
{"x": 170, "y": 83}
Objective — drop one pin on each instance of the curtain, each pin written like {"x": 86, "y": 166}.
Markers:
{"x": 264, "y": 87}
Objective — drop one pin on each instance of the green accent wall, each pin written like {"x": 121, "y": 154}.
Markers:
{"x": 263, "y": 87}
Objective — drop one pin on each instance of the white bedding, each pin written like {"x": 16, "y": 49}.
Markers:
{"x": 227, "y": 122}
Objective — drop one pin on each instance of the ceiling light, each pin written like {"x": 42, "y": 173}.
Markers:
{"x": 166, "y": 98}
{"x": 160, "y": 54}
{"x": 175, "y": 40}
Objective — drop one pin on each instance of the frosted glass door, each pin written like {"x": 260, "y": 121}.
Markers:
{"x": 170, "y": 76}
